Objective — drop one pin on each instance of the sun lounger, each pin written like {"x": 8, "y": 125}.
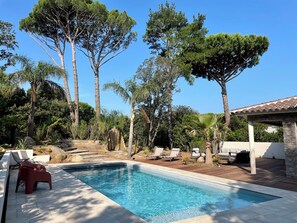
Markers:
{"x": 235, "y": 155}
{"x": 157, "y": 154}
{"x": 173, "y": 155}
{"x": 195, "y": 153}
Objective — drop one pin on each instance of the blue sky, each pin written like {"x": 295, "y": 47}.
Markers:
{"x": 275, "y": 77}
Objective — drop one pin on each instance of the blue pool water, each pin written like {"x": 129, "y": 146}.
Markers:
{"x": 159, "y": 199}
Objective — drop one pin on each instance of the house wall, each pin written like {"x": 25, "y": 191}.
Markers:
{"x": 262, "y": 149}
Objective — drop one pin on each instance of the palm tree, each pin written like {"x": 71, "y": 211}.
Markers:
{"x": 36, "y": 76}
{"x": 207, "y": 123}
{"x": 131, "y": 93}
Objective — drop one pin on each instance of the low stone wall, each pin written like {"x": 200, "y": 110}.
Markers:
{"x": 91, "y": 145}
{"x": 4, "y": 174}
{"x": 262, "y": 149}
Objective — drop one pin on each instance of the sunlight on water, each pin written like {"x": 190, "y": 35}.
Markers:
{"x": 157, "y": 199}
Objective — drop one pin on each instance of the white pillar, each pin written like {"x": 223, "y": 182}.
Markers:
{"x": 252, "y": 147}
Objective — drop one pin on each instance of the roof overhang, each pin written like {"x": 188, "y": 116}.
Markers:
{"x": 273, "y": 112}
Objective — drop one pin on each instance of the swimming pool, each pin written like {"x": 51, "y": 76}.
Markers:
{"x": 163, "y": 197}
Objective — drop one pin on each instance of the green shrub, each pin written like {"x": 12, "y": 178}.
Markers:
{"x": 74, "y": 131}
{"x": 98, "y": 130}
{"x": 40, "y": 149}
{"x": 83, "y": 130}
{"x": 60, "y": 157}
{"x": 22, "y": 145}
{"x": 55, "y": 131}
{"x": 185, "y": 160}
{"x": 41, "y": 132}
{"x": 146, "y": 151}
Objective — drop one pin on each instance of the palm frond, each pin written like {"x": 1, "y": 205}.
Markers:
{"x": 46, "y": 70}
{"x": 208, "y": 120}
{"x": 118, "y": 89}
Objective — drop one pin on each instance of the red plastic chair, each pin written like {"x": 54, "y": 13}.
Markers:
{"x": 31, "y": 174}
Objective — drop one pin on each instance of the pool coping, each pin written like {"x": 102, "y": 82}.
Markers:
{"x": 278, "y": 210}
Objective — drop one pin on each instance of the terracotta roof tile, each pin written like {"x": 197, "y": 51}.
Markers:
{"x": 281, "y": 105}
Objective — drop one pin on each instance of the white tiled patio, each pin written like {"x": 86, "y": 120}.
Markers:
{"x": 70, "y": 200}
{"x": 73, "y": 201}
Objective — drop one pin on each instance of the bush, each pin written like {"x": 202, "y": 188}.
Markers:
{"x": 98, "y": 130}
{"x": 22, "y": 145}
{"x": 83, "y": 130}
{"x": 40, "y": 149}
{"x": 146, "y": 151}
{"x": 74, "y": 131}
{"x": 185, "y": 160}
{"x": 54, "y": 137}
{"x": 56, "y": 131}
{"x": 41, "y": 132}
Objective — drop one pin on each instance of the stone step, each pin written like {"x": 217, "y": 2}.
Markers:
{"x": 78, "y": 151}
{"x": 89, "y": 157}
{"x": 86, "y": 153}
{"x": 69, "y": 149}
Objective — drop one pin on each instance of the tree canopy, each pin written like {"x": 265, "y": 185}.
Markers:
{"x": 7, "y": 44}
{"x": 109, "y": 33}
{"x": 168, "y": 33}
{"x": 226, "y": 56}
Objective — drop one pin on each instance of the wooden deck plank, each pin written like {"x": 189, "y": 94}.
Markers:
{"x": 270, "y": 172}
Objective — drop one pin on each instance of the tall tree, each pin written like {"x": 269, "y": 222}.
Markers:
{"x": 7, "y": 44}
{"x": 131, "y": 93}
{"x": 150, "y": 74}
{"x": 48, "y": 35}
{"x": 69, "y": 18}
{"x": 227, "y": 55}
{"x": 166, "y": 35}
{"x": 108, "y": 35}
{"x": 36, "y": 76}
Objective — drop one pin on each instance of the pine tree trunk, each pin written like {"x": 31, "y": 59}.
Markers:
{"x": 75, "y": 79}
{"x": 170, "y": 117}
{"x": 97, "y": 94}
{"x": 150, "y": 136}
{"x": 66, "y": 87}
{"x": 30, "y": 122}
{"x": 131, "y": 131}
{"x": 225, "y": 104}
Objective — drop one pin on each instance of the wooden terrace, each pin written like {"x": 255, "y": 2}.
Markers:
{"x": 270, "y": 172}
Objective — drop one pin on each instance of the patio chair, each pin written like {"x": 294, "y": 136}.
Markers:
{"x": 31, "y": 174}
{"x": 195, "y": 153}
{"x": 173, "y": 155}
{"x": 157, "y": 154}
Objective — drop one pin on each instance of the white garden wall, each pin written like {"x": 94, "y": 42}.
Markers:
{"x": 4, "y": 173}
{"x": 262, "y": 149}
